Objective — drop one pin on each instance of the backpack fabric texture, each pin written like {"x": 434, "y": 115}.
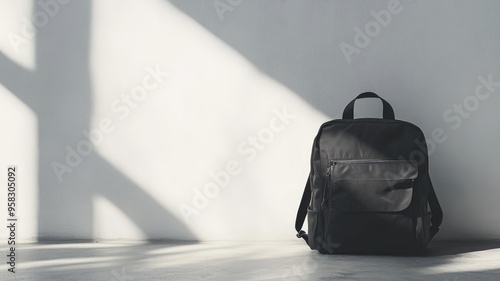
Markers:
{"x": 369, "y": 189}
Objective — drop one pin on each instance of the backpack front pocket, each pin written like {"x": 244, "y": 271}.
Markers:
{"x": 368, "y": 204}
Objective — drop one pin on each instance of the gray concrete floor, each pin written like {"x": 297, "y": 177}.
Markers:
{"x": 247, "y": 261}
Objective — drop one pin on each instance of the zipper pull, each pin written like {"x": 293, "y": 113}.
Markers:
{"x": 330, "y": 167}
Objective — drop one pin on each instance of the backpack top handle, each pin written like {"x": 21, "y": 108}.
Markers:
{"x": 349, "y": 109}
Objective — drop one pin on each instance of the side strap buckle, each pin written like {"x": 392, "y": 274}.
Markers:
{"x": 301, "y": 234}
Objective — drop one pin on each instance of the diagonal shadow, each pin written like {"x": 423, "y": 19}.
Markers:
{"x": 59, "y": 91}
{"x": 292, "y": 48}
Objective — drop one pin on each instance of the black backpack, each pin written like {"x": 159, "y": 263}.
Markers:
{"x": 369, "y": 188}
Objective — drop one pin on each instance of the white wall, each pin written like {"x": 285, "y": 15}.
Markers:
{"x": 225, "y": 73}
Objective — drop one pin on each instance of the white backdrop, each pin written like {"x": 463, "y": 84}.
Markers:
{"x": 193, "y": 120}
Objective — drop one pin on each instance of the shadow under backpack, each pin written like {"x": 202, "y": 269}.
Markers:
{"x": 369, "y": 189}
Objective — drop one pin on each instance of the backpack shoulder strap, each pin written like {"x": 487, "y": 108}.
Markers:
{"x": 302, "y": 212}
{"x": 437, "y": 212}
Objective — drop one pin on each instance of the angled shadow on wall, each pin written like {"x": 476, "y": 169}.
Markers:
{"x": 59, "y": 91}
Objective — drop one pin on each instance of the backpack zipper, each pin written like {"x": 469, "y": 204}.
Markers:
{"x": 369, "y": 161}
{"x": 327, "y": 185}
{"x": 332, "y": 163}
